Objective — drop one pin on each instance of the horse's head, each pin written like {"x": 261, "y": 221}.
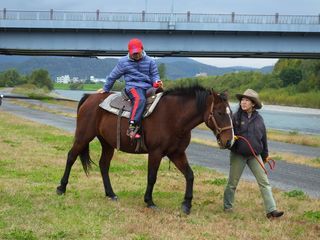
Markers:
{"x": 218, "y": 118}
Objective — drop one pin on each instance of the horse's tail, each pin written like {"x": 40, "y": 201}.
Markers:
{"x": 82, "y": 100}
{"x": 86, "y": 159}
{"x": 84, "y": 155}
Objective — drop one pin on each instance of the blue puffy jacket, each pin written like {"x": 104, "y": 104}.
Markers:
{"x": 137, "y": 74}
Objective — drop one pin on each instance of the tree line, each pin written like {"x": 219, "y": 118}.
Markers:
{"x": 39, "y": 78}
{"x": 292, "y": 82}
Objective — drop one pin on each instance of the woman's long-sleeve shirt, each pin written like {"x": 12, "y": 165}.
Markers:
{"x": 254, "y": 130}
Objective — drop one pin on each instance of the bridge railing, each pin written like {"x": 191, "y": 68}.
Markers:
{"x": 158, "y": 17}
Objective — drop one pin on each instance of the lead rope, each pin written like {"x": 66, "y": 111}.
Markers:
{"x": 271, "y": 162}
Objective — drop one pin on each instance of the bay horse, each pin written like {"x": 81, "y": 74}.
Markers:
{"x": 167, "y": 132}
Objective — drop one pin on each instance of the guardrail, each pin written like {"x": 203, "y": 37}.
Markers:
{"x": 53, "y": 15}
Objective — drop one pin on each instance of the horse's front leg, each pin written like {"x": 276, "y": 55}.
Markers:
{"x": 154, "y": 159}
{"x": 181, "y": 162}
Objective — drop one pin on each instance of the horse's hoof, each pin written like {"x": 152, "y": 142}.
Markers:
{"x": 61, "y": 190}
{"x": 150, "y": 204}
{"x": 186, "y": 209}
{"x": 153, "y": 207}
{"x": 113, "y": 198}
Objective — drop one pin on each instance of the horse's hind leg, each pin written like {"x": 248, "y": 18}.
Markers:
{"x": 181, "y": 162}
{"x": 74, "y": 152}
{"x": 104, "y": 164}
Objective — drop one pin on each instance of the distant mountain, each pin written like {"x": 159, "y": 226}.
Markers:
{"x": 186, "y": 67}
{"x": 176, "y": 67}
{"x": 58, "y": 66}
{"x": 266, "y": 69}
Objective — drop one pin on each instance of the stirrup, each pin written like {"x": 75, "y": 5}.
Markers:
{"x": 133, "y": 133}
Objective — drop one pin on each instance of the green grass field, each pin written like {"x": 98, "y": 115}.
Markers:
{"x": 32, "y": 160}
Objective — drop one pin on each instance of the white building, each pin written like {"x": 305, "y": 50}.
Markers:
{"x": 97, "y": 80}
{"x": 75, "y": 80}
{"x": 202, "y": 74}
{"x": 63, "y": 79}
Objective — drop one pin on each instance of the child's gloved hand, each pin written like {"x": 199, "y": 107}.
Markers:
{"x": 158, "y": 84}
{"x": 100, "y": 90}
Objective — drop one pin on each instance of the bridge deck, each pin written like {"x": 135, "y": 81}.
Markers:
{"x": 164, "y": 34}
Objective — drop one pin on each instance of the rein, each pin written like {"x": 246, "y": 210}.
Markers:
{"x": 211, "y": 117}
{"x": 272, "y": 165}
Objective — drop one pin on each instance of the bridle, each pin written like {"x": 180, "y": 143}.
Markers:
{"x": 218, "y": 130}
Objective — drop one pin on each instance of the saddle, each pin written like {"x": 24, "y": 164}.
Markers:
{"x": 120, "y": 105}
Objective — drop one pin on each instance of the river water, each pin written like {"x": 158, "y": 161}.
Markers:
{"x": 294, "y": 119}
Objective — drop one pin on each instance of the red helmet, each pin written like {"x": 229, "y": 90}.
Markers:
{"x": 135, "y": 46}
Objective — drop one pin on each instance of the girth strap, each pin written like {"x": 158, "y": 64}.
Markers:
{"x": 119, "y": 127}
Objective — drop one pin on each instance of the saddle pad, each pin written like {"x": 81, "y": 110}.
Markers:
{"x": 120, "y": 103}
{"x": 106, "y": 104}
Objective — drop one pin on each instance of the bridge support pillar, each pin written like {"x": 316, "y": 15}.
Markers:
{"x": 143, "y": 15}
{"x": 97, "y": 14}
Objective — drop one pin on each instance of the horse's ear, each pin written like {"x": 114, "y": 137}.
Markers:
{"x": 225, "y": 91}
{"x": 213, "y": 92}
{"x": 215, "y": 96}
{"x": 224, "y": 94}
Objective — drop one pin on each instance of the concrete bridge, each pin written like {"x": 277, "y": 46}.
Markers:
{"x": 98, "y": 33}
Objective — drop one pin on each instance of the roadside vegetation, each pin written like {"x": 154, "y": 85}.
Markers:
{"x": 40, "y": 107}
{"x": 33, "y": 158}
{"x": 294, "y": 137}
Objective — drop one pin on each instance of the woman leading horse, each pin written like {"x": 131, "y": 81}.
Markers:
{"x": 167, "y": 132}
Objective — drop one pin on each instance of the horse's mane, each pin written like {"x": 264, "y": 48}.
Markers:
{"x": 197, "y": 91}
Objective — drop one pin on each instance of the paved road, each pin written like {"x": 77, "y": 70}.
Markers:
{"x": 287, "y": 176}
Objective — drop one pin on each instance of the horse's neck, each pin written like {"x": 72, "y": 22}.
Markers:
{"x": 188, "y": 116}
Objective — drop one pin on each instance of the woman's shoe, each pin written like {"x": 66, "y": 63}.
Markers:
{"x": 275, "y": 214}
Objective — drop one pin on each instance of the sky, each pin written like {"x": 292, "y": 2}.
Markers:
{"x": 260, "y": 7}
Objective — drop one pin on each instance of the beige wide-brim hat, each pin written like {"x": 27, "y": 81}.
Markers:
{"x": 253, "y": 96}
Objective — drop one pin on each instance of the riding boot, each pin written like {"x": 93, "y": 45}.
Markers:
{"x": 132, "y": 131}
